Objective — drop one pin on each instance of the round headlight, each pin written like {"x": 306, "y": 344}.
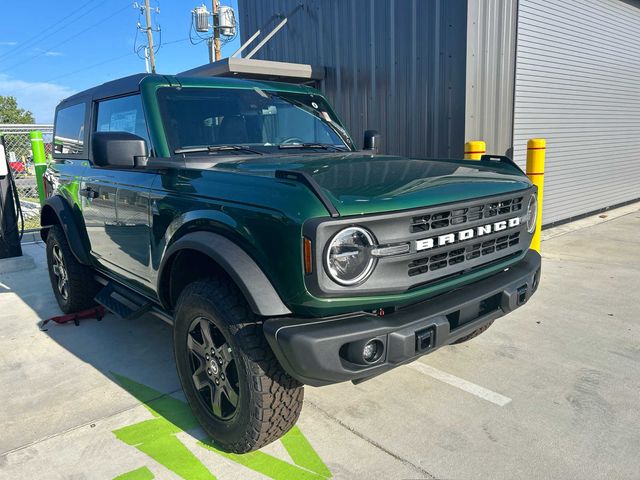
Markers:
{"x": 532, "y": 213}
{"x": 348, "y": 259}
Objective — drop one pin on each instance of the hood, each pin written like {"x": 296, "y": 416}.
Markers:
{"x": 357, "y": 183}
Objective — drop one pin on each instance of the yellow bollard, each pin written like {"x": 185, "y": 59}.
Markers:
{"x": 474, "y": 149}
{"x": 536, "y": 148}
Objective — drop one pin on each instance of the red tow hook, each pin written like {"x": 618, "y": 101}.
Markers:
{"x": 95, "y": 312}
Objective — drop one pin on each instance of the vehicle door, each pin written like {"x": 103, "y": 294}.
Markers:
{"x": 70, "y": 153}
{"x": 117, "y": 211}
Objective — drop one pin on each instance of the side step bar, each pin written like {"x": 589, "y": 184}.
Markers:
{"x": 123, "y": 303}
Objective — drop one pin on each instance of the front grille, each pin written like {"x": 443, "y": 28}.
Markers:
{"x": 460, "y": 255}
{"x": 445, "y": 242}
{"x": 460, "y": 216}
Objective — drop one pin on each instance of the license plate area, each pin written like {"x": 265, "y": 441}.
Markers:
{"x": 473, "y": 312}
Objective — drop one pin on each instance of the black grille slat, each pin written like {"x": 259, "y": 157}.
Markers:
{"x": 461, "y": 255}
{"x": 460, "y": 216}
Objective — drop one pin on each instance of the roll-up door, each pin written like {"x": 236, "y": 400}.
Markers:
{"x": 578, "y": 86}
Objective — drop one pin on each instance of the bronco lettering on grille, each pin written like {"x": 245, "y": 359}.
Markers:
{"x": 449, "y": 238}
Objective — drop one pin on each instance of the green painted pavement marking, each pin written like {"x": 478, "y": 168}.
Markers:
{"x": 267, "y": 465}
{"x": 157, "y": 438}
{"x": 159, "y": 404}
{"x": 302, "y": 453}
{"x": 142, "y": 473}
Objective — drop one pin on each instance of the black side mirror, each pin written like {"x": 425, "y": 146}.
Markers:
{"x": 372, "y": 140}
{"x": 119, "y": 150}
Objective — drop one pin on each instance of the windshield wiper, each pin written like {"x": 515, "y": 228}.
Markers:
{"x": 215, "y": 148}
{"x": 323, "y": 146}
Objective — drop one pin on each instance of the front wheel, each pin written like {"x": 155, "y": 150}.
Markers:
{"x": 235, "y": 386}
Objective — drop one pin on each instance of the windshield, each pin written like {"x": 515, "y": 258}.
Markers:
{"x": 263, "y": 120}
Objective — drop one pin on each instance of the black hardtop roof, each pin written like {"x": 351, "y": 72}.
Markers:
{"x": 131, "y": 84}
{"x": 113, "y": 88}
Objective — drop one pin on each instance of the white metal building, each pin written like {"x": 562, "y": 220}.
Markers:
{"x": 578, "y": 86}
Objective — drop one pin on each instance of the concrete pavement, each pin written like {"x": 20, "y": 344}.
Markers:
{"x": 550, "y": 391}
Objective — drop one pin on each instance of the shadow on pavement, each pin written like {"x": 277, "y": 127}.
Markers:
{"x": 136, "y": 357}
{"x": 141, "y": 349}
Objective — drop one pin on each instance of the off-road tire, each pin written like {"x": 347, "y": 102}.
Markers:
{"x": 81, "y": 286}
{"x": 473, "y": 334}
{"x": 269, "y": 400}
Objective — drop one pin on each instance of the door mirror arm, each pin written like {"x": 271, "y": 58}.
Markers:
{"x": 140, "y": 161}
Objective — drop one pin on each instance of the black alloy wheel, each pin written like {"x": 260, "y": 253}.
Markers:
{"x": 73, "y": 283}
{"x": 234, "y": 384}
{"x": 59, "y": 271}
{"x": 213, "y": 369}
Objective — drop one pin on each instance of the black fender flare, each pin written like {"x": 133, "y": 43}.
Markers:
{"x": 76, "y": 237}
{"x": 254, "y": 284}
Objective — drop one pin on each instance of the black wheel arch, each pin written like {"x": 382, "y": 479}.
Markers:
{"x": 57, "y": 211}
{"x": 233, "y": 261}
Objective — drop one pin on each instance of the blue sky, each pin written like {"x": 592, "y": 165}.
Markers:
{"x": 49, "y": 50}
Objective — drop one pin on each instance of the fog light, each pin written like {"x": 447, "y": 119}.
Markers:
{"x": 372, "y": 351}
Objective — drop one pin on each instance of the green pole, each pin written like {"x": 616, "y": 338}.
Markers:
{"x": 39, "y": 161}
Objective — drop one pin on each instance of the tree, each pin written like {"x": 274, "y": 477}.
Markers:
{"x": 11, "y": 113}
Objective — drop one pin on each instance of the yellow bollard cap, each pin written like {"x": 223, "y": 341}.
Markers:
{"x": 475, "y": 146}
{"x": 536, "y": 144}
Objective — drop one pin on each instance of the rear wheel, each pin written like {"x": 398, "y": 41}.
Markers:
{"x": 235, "y": 386}
{"x": 73, "y": 284}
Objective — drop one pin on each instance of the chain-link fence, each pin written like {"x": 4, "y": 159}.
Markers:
{"x": 20, "y": 157}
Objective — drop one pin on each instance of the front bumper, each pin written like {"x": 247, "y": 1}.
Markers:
{"x": 321, "y": 351}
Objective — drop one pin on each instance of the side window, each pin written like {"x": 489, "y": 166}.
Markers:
{"x": 123, "y": 114}
{"x": 69, "y": 132}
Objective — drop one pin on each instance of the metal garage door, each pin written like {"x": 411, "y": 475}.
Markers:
{"x": 578, "y": 86}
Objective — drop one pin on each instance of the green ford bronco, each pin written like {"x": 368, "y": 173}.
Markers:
{"x": 241, "y": 212}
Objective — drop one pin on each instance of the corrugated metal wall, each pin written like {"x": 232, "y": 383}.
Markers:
{"x": 397, "y": 66}
{"x": 491, "y": 55}
{"x": 578, "y": 85}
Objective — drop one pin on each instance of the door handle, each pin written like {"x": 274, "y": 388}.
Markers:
{"x": 89, "y": 192}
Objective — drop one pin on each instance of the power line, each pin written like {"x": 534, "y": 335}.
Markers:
{"x": 94, "y": 65}
{"x": 68, "y": 74}
{"x": 44, "y": 35}
{"x": 68, "y": 39}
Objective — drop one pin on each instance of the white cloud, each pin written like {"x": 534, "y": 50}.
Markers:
{"x": 9, "y": 44}
{"x": 48, "y": 53}
{"x": 39, "y": 97}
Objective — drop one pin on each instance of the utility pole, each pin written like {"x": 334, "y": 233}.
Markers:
{"x": 222, "y": 30}
{"x": 148, "y": 49}
{"x": 214, "y": 41}
{"x": 215, "y": 5}
{"x": 152, "y": 55}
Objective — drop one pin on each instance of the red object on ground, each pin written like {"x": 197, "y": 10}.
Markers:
{"x": 17, "y": 167}
{"x": 96, "y": 312}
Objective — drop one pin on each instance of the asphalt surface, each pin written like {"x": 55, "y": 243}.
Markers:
{"x": 550, "y": 391}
